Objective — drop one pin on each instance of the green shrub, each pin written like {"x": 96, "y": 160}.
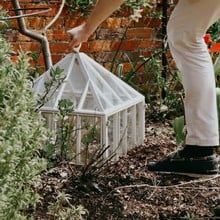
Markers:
{"x": 85, "y": 6}
{"x": 22, "y": 135}
{"x": 63, "y": 209}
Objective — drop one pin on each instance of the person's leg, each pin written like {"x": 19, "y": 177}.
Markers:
{"x": 186, "y": 28}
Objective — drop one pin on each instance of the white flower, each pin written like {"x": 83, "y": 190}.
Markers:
{"x": 136, "y": 15}
{"x": 66, "y": 117}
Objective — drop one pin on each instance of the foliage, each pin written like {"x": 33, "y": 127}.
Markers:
{"x": 162, "y": 94}
{"x": 218, "y": 107}
{"x": 35, "y": 70}
{"x": 3, "y": 14}
{"x": 84, "y": 6}
{"x": 62, "y": 209}
{"x": 22, "y": 135}
{"x": 214, "y": 31}
{"x": 213, "y": 43}
{"x": 179, "y": 129}
{"x": 189, "y": 216}
{"x": 146, "y": 77}
{"x": 136, "y": 4}
{"x": 51, "y": 85}
{"x": 66, "y": 129}
{"x": 60, "y": 146}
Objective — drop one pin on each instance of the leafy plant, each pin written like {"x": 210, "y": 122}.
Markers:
{"x": 35, "y": 70}
{"x": 84, "y": 6}
{"x": 212, "y": 40}
{"x": 22, "y": 135}
{"x": 145, "y": 76}
{"x": 54, "y": 149}
{"x": 51, "y": 85}
{"x": 179, "y": 129}
{"x": 3, "y": 23}
{"x": 137, "y": 3}
{"x": 62, "y": 209}
{"x": 214, "y": 31}
{"x": 60, "y": 145}
{"x": 65, "y": 108}
{"x": 189, "y": 216}
{"x": 218, "y": 108}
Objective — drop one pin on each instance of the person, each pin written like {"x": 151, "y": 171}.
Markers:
{"x": 186, "y": 28}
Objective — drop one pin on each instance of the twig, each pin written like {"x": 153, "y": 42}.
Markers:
{"x": 55, "y": 18}
{"x": 170, "y": 186}
{"x": 26, "y": 15}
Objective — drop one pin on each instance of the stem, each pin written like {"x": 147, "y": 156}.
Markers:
{"x": 118, "y": 49}
{"x": 132, "y": 72}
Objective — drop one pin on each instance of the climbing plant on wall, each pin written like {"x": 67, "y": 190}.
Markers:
{"x": 84, "y": 6}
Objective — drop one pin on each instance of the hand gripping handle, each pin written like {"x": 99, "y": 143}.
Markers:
{"x": 77, "y": 49}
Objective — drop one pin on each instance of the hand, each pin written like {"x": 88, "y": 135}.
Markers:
{"x": 78, "y": 35}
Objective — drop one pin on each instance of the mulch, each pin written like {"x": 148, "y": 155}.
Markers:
{"x": 125, "y": 189}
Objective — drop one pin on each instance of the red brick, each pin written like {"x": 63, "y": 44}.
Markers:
{"x": 40, "y": 61}
{"x": 11, "y": 35}
{"x": 60, "y": 47}
{"x": 125, "y": 22}
{"x": 23, "y": 38}
{"x": 56, "y": 58}
{"x": 148, "y": 22}
{"x": 84, "y": 47}
{"x": 71, "y": 21}
{"x": 59, "y": 23}
{"x": 36, "y": 23}
{"x": 126, "y": 45}
{"x": 123, "y": 12}
{"x": 27, "y": 46}
{"x": 134, "y": 33}
{"x": 100, "y": 45}
{"x": 149, "y": 44}
{"x": 6, "y": 5}
{"x": 112, "y": 23}
{"x": 106, "y": 56}
{"x": 141, "y": 36}
{"x": 58, "y": 35}
{"x": 13, "y": 24}
{"x": 110, "y": 34}
{"x": 36, "y": 8}
{"x": 127, "y": 67}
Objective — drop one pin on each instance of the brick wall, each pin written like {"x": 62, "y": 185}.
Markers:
{"x": 142, "y": 38}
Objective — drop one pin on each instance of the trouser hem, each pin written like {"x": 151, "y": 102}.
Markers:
{"x": 206, "y": 142}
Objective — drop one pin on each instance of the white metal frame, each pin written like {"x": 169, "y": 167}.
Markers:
{"x": 109, "y": 102}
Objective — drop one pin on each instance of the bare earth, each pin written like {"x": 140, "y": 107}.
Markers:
{"x": 127, "y": 190}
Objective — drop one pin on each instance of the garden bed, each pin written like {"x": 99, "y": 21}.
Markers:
{"x": 127, "y": 190}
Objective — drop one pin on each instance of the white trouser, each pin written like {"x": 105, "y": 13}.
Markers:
{"x": 187, "y": 26}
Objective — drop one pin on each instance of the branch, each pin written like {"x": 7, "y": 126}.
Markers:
{"x": 55, "y": 18}
{"x": 180, "y": 185}
{"x": 39, "y": 37}
{"x": 26, "y": 15}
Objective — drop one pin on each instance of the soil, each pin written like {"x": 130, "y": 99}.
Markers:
{"x": 125, "y": 189}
